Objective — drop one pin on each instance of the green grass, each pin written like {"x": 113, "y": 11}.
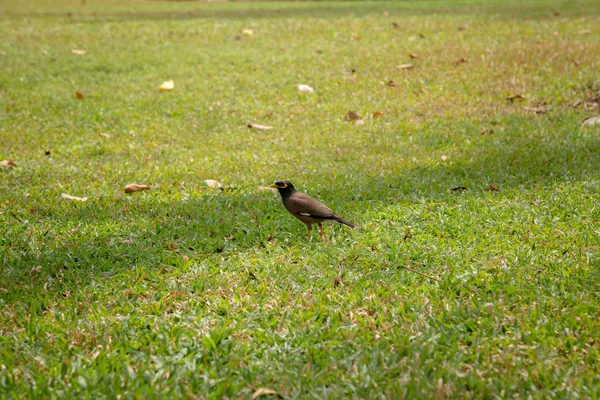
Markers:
{"x": 189, "y": 291}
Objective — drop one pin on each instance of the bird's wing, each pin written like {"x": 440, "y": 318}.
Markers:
{"x": 303, "y": 204}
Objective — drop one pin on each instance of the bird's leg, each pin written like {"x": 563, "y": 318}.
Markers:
{"x": 309, "y": 226}
{"x": 323, "y": 237}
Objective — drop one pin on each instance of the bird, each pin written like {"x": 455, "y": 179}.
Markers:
{"x": 305, "y": 208}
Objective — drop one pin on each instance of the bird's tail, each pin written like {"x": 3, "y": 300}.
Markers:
{"x": 345, "y": 222}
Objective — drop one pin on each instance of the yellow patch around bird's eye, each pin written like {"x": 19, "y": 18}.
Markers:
{"x": 284, "y": 186}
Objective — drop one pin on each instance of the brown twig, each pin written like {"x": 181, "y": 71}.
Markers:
{"x": 420, "y": 273}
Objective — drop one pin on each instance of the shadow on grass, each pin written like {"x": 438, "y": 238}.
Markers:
{"x": 100, "y": 239}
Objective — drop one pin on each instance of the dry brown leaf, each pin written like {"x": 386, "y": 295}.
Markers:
{"x": 352, "y": 116}
{"x": 493, "y": 187}
{"x": 413, "y": 56}
{"x": 355, "y": 36}
{"x": 514, "y": 97}
{"x": 213, "y": 183}
{"x": 69, "y": 197}
{"x": 247, "y": 32}
{"x": 79, "y": 96}
{"x": 260, "y": 127}
{"x": 8, "y": 163}
{"x": 395, "y": 25}
{"x": 134, "y": 187}
{"x": 260, "y": 392}
{"x": 186, "y": 259}
{"x": 538, "y": 109}
{"x": 47, "y": 152}
{"x": 461, "y": 61}
{"x": 167, "y": 85}
{"x": 405, "y": 66}
{"x": 591, "y": 121}
{"x": 104, "y": 135}
{"x": 377, "y": 114}
{"x": 462, "y": 27}
{"x": 392, "y": 83}
{"x": 78, "y": 52}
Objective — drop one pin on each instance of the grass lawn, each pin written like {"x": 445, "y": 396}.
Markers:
{"x": 491, "y": 290}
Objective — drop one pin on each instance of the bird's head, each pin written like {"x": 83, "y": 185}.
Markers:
{"x": 284, "y": 187}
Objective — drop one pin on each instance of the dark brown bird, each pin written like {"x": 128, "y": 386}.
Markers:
{"x": 305, "y": 208}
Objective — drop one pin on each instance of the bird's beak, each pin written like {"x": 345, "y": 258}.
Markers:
{"x": 274, "y": 186}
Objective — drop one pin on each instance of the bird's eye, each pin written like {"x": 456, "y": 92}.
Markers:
{"x": 284, "y": 186}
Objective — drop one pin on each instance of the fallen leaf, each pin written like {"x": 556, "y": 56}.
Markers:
{"x": 493, "y": 187}
{"x": 405, "y": 66}
{"x": 444, "y": 158}
{"x": 134, "y": 187}
{"x": 47, "y": 153}
{"x": 104, "y": 135}
{"x": 305, "y": 88}
{"x": 79, "y": 96}
{"x": 461, "y": 61}
{"x": 247, "y": 32}
{"x": 462, "y": 27}
{"x": 260, "y": 392}
{"x": 584, "y": 32}
{"x": 591, "y": 121}
{"x": 395, "y": 25}
{"x": 186, "y": 259}
{"x": 167, "y": 85}
{"x": 392, "y": 83}
{"x": 538, "y": 109}
{"x": 352, "y": 116}
{"x": 8, "y": 163}
{"x": 78, "y": 52}
{"x": 514, "y": 97}
{"x": 260, "y": 127}
{"x": 213, "y": 183}
{"x": 69, "y": 197}
{"x": 413, "y": 55}
{"x": 355, "y": 36}
{"x": 338, "y": 281}
{"x": 360, "y": 122}
{"x": 377, "y": 114}
{"x": 459, "y": 188}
